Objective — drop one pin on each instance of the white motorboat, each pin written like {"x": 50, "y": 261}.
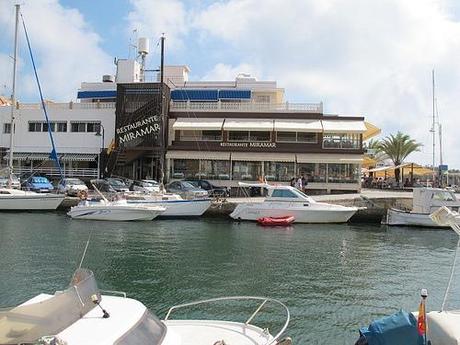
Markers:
{"x": 283, "y": 201}
{"x": 174, "y": 204}
{"x": 80, "y": 315}
{"x": 425, "y": 201}
{"x": 114, "y": 211}
{"x": 19, "y": 200}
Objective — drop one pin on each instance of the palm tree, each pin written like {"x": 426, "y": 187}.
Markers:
{"x": 397, "y": 148}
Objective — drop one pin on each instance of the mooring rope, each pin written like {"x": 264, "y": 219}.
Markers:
{"x": 452, "y": 270}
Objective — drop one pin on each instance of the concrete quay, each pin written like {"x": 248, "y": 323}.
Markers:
{"x": 374, "y": 203}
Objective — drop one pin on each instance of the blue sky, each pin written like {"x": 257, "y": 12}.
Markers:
{"x": 371, "y": 58}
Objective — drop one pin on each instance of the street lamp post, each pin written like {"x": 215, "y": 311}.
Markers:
{"x": 100, "y": 133}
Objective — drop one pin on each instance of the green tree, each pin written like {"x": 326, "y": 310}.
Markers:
{"x": 397, "y": 148}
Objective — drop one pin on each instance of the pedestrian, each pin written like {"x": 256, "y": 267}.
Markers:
{"x": 304, "y": 183}
{"x": 293, "y": 182}
{"x": 299, "y": 184}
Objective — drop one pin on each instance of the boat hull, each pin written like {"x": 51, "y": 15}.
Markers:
{"x": 30, "y": 201}
{"x": 118, "y": 213}
{"x": 302, "y": 214}
{"x": 397, "y": 217}
{"x": 177, "y": 208}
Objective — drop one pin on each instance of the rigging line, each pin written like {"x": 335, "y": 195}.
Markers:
{"x": 452, "y": 270}
{"x": 86, "y": 247}
{"x": 53, "y": 152}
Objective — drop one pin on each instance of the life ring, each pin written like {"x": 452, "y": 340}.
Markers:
{"x": 82, "y": 194}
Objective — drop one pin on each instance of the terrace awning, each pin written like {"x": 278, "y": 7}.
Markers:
{"x": 263, "y": 156}
{"x": 248, "y": 125}
{"x": 329, "y": 158}
{"x": 186, "y": 124}
{"x": 203, "y": 155}
{"x": 39, "y": 156}
{"x": 371, "y": 131}
{"x": 77, "y": 157}
{"x": 312, "y": 126}
{"x": 332, "y": 126}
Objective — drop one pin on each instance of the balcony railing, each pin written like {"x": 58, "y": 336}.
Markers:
{"x": 70, "y": 105}
{"x": 316, "y": 108}
{"x": 52, "y": 171}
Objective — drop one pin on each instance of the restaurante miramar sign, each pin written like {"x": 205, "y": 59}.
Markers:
{"x": 139, "y": 129}
{"x": 251, "y": 144}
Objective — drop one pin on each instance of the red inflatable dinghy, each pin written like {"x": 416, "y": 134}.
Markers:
{"x": 276, "y": 221}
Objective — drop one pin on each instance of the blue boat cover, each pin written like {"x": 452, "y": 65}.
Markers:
{"x": 397, "y": 329}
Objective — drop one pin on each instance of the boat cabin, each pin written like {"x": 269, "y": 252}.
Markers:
{"x": 287, "y": 193}
{"x": 428, "y": 200}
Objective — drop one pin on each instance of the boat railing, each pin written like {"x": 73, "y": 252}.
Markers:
{"x": 263, "y": 301}
{"x": 114, "y": 293}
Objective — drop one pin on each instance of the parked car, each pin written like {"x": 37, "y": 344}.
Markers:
{"x": 15, "y": 183}
{"x": 212, "y": 189}
{"x": 38, "y": 184}
{"x": 117, "y": 184}
{"x": 71, "y": 186}
{"x": 103, "y": 186}
{"x": 186, "y": 190}
{"x": 145, "y": 186}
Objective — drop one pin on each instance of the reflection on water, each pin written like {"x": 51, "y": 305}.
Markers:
{"x": 334, "y": 278}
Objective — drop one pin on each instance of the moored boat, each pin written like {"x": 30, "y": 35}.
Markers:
{"x": 19, "y": 200}
{"x": 114, "y": 211}
{"x": 425, "y": 201}
{"x": 82, "y": 315}
{"x": 285, "y": 201}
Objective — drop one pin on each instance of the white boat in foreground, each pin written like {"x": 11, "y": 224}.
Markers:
{"x": 114, "y": 211}
{"x": 80, "y": 315}
{"x": 174, "y": 204}
{"x": 425, "y": 201}
{"x": 19, "y": 200}
{"x": 283, "y": 201}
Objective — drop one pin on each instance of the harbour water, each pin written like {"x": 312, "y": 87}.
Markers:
{"x": 334, "y": 278}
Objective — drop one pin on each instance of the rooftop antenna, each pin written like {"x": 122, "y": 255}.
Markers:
{"x": 132, "y": 44}
{"x": 143, "y": 48}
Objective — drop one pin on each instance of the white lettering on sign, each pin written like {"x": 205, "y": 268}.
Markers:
{"x": 262, "y": 145}
{"x": 155, "y": 128}
{"x": 137, "y": 124}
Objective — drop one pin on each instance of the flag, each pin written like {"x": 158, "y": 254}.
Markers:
{"x": 421, "y": 321}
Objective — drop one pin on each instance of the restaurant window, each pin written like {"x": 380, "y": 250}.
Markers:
{"x": 246, "y": 170}
{"x": 7, "y": 128}
{"x": 90, "y": 127}
{"x": 313, "y": 172}
{"x": 62, "y": 126}
{"x": 260, "y": 136}
{"x": 78, "y": 127}
{"x": 238, "y": 136}
{"x": 45, "y": 126}
{"x": 306, "y": 137}
{"x": 343, "y": 173}
{"x": 189, "y": 135}
{"x": 279, "y": 171}
{"x": 215, "y": 169}
{"x": 35, "y": 126}
{"x": 93, "y": 127}
{"x": 209, "y": 135}
{"x": 185, "y": 168}
{"x": 341, "y": 140}
{"x": 286, "y": 137}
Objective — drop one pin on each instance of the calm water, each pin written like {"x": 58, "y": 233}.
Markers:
{"x": 334, "y": 278}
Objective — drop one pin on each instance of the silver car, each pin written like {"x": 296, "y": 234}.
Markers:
{"x": 186, "y": 190}
{"x": 15, "y": 183}
{"x": 71, "y": 186}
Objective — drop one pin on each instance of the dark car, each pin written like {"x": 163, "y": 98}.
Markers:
{"x": 213, "y": 190}
{"x": 186, "y": 190}
{"x": 118, "y": 184}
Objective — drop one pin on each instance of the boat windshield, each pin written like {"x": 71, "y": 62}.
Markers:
{"x": 30, "y": 321}
{"x": 284, "y": 193}
{"x": 149, "y": 330}
{"x": 444, "y": 196}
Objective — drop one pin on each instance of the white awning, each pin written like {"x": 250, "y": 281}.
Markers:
{"x": 312, "y": 126}
{"x": 329, "y": 158}
{"x": 77, "y": 157}
{"x": 248, "y": 125}
{"x": 186, "y": 124}
{"x": 263, "y": 156}
{"x": 214, "y": 155}
{"x": 332, "y": 126}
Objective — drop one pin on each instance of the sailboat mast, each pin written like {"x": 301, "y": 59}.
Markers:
{"x": 433, "y": 131}
{"x": 13, "y": 95}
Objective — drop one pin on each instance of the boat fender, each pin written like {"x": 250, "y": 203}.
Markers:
{"x": 82, "y": 195}
{"x": 285, "y": 341}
